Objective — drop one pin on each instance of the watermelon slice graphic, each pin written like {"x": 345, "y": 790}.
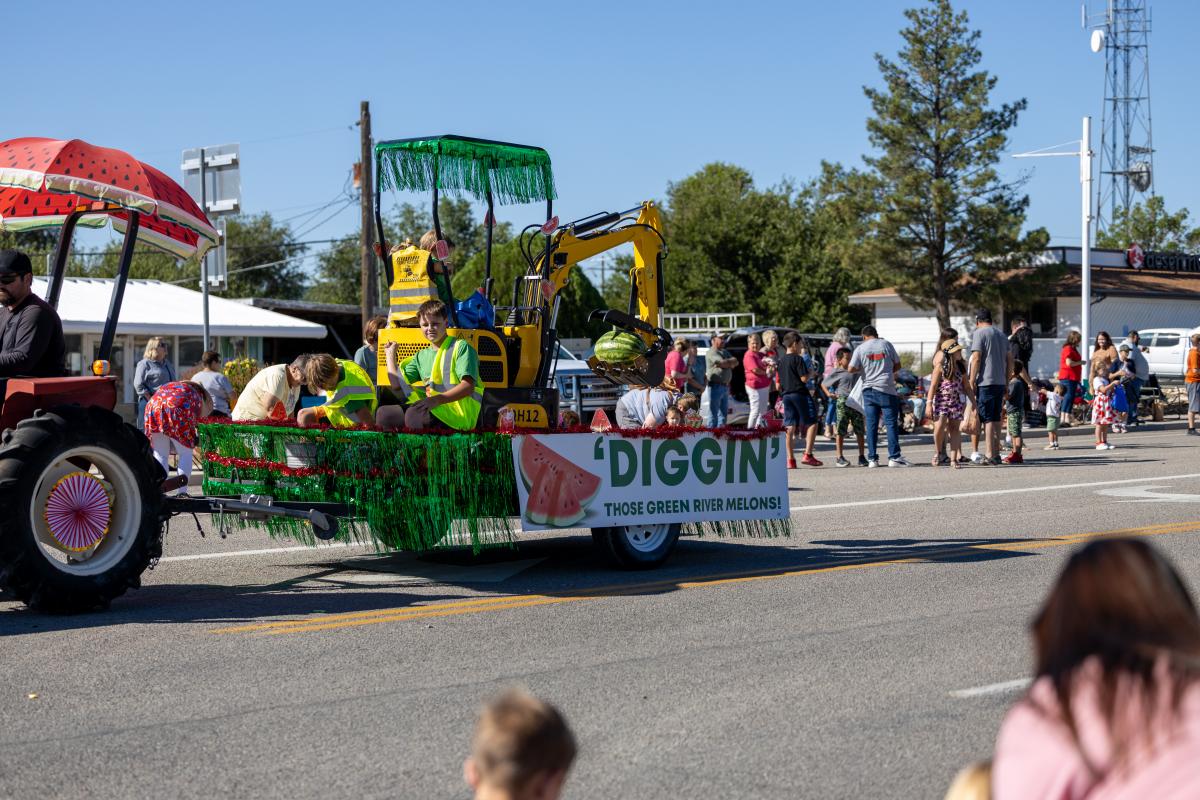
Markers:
{"x": 559, "y": 491}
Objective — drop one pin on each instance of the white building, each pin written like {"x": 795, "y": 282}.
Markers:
{"x": 154, "y": 308}
{"x": 1164, "y": 293}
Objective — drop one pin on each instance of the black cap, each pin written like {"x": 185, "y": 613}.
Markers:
{"x": 983, "y": 315}
{"x": 14, "y": 261}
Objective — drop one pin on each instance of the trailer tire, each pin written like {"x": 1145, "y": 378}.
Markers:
{"x": 35, "y": 457}
{"x": 637, "y": 546}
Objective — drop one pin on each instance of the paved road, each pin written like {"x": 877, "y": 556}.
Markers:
{"x": 870, "y": 654}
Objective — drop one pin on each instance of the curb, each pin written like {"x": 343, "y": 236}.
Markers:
{"x": 1074, "y": 430}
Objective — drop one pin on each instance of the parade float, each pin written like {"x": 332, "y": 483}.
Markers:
{"x": 93, "y": 505}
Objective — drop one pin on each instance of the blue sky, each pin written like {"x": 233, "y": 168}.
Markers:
{"x": 626, "y": 97}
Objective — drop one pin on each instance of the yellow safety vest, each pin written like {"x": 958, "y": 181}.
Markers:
{"x": 461, "y": 414}
{"x": 413, "y": 283}
{"x": 357, "y": 386}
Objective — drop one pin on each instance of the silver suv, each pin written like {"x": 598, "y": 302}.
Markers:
{"x": 596, "y": 392}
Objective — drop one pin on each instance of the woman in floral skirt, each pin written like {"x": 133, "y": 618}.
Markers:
{"x": 172, "y": 416}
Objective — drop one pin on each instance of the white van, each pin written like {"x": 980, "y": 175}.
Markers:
{"x": 1168, "y": 348}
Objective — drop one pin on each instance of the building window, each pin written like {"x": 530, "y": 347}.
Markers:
{"x": 74, "y": 343}
{"x": 190, "y": 350}
{"x": 1042, "y": 316}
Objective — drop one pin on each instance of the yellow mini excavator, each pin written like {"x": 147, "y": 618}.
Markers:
{"x": 517, "y": 353}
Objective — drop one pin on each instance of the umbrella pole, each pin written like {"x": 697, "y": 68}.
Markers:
{"x": 61, "y": 250}
{"x": 118, "y": 293}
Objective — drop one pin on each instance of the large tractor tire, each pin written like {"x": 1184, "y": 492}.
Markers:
{"x": 82, "y": 501}
{"x": 637, "y": 546}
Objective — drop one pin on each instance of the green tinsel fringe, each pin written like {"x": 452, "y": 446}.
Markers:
{"x": 740, "y": 528}
{"x": 513, "y": 173}
{"x": 405, "y": 491}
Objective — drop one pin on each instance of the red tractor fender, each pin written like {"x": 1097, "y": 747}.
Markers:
{"x": 26, "y": 395}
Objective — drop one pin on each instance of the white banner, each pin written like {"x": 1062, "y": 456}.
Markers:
{"x": 597, "y": 480}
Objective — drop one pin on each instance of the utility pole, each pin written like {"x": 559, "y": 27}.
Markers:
{"x": 369, "y": 301}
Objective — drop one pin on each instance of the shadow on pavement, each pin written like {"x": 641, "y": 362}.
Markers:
{"x": 564, "y": 566}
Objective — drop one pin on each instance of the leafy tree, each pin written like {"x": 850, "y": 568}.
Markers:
{"x": 339, "y": 273}
{"x": 35, "y": 244}
{"x": 944, "y": 227}
{"x": 252, "y": 240}
{"x": 458, "y": 223}
{"x": 1153, "y": 227}
{"x": 777, "y": 252}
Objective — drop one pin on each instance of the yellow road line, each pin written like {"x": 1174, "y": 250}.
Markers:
{"x": 455, "y": 608}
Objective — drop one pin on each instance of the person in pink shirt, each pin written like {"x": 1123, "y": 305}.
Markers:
{"x": 1115, "y": 709}
{"x": 758, "y": 380}
{"x": 676, "y": 366}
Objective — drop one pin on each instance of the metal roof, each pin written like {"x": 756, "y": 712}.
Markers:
{"x": 155, "y": 308}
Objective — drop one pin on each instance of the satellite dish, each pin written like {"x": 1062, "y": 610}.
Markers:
{"x": 1139, "y": 175}
{"x": 1097, "y": 40}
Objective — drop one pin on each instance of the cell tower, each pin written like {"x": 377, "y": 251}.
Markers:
{"x": 1122, "y": 31}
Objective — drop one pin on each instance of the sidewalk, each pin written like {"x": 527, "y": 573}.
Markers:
{"x": 1074, "y": 430}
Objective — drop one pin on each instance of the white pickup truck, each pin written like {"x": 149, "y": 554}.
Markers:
{"x": 1168, "y": 347}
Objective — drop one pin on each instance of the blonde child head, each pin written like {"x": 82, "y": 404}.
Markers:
{"x": 522, "y": 748}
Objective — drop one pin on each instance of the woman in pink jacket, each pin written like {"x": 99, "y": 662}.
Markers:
{"x": 1115, "y": 709}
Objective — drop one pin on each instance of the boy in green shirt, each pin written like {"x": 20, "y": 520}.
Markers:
{"x": 452, "y": 392}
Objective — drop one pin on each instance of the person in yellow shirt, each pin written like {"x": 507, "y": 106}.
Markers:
{"x": 452, "y": 392}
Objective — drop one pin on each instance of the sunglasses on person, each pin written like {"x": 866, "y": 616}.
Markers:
{"x": 9, "y": 277}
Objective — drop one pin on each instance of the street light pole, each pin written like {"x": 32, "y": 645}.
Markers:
{"x": 1085, "y": 251}
{"x": 1085, "y": 265}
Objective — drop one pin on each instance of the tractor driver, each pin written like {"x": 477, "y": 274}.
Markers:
{"x": 31, "y": 334}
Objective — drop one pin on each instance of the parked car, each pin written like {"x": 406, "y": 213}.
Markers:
{"x": 596, "y": 392}
{"x": 1167, "y": 350}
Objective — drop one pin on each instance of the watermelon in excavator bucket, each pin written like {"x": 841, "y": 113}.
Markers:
{"x": 634, "y": 353}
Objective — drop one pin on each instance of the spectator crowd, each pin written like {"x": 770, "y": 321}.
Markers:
{"x": 979, "y": 388}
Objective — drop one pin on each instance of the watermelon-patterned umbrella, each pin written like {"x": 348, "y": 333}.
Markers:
{"x": 42, "y": 181}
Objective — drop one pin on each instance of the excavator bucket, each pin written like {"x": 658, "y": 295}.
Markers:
{"x": 647, "y": 370}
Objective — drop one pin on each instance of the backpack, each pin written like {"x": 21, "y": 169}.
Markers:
{"x": 1022, "y": 342}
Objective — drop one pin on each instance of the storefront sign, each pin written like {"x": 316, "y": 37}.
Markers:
{"x": 1161, "y": 261}
{"x": 595, "y": 480}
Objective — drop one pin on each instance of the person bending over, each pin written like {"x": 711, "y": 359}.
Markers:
{"x": 272, "y": 393}
{"x": 349, "y": 393}
{"x": 441, "y": 381}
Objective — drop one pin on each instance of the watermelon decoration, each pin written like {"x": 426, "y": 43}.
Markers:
{"x": 44, "y": 180}
{"x": 559, "y": 491}
{"x": 620, "y": 347}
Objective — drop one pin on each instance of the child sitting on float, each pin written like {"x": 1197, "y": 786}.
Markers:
{"x": 445, "y": 402}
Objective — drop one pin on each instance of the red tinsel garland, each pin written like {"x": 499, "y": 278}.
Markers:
{"x": 661, "y": 432}
{"x": 290, "y": 472}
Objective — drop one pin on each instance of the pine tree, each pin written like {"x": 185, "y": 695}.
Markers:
{"x": 944, "y": 227}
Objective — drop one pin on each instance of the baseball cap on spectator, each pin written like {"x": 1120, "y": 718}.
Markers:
{"x": 1125, "y": 348}
{"x": 983, "y": 315}
{"x": 716, "y": 335}
{"x": 15, "y": 262}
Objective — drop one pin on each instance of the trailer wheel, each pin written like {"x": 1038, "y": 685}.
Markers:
{"x": 83, "y": 509}
{"x": 637, "y": 546}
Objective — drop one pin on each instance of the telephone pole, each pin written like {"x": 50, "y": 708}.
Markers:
{"x": 366, "y": 238}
